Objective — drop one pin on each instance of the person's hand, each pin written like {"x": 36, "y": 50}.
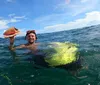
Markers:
{"x": 12, "y": 38}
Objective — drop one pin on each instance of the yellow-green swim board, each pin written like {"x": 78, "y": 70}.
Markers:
{"x": 60, "y": 53}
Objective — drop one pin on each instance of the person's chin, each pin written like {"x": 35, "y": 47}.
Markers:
{"x": 31, "y": 41}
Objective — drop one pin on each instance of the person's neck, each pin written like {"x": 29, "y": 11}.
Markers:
{"x": 30, "y": 43}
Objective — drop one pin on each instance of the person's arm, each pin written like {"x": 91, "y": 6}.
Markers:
{"x": 11, "y": 47}
{"x": 11, "y": 42}
{"x": 20, "y": 46}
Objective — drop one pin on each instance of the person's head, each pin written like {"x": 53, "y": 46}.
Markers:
{"x": 31, "y": 36}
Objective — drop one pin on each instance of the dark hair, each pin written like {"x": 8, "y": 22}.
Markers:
{"x": 31, "y": 31}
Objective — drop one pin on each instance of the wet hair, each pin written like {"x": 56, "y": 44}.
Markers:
{"x": 31, "y": 31}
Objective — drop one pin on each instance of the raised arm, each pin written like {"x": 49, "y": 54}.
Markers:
{"x": 11, "y": 46}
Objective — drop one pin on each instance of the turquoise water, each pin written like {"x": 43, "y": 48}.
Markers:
{"x": 15, "y": 69}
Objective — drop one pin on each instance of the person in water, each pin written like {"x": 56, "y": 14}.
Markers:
{"x": 31, "y": 37}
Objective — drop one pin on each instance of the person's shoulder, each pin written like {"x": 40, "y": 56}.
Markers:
{"x": 37, "y": 43}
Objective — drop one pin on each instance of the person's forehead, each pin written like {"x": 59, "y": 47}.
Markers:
{"x": 31, "y": 34}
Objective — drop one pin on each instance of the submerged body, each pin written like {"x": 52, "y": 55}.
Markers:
{"x": 57, "y": 54}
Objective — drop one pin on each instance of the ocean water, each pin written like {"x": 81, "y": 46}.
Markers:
{"x": 15, "y": 69}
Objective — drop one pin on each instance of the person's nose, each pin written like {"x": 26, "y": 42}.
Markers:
{"x": 31, "y": 37}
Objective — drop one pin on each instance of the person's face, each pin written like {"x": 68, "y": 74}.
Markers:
{"x": 31, "y": 38}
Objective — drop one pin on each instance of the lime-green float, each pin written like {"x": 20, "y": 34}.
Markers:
{"x": 60, "y": 53}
